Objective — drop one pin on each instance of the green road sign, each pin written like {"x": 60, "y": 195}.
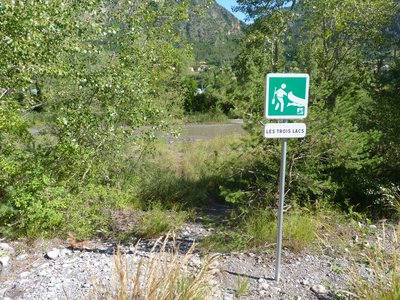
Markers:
{"x": 286, "y": 96}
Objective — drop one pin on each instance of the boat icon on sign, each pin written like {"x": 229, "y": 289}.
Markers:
{"x": 296, "y": 101}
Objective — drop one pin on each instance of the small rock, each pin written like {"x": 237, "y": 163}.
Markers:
{"x": 263, "y": 293}
{"x": 373, "y": 226}
{"x": 24, "y": 274}
{"x": 53, "y": 254}
{"x": 319, "y": 289}
{"x": 195, "y": 262}
{"x": 4, "y": 261}
{"x": 65, "y": 252}
{"x": 42, "y": 266}
{"x": 264, "y": 286}
{"x": 7, "y": 248}
{"x": 21, "y": 257}
{"x": 356, "y": 239}
{"x": 229, "y": 297}
{"x": 2, "y": 292}
{"x": 304, "y": 282}
{"x": 43, "y": 273}
{"x": 275, "y": 290}
{"x": 261, "y": 280}
{"x": 24, "y": 281}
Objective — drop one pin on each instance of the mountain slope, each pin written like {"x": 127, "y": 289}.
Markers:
{"x": 214, "y": 33}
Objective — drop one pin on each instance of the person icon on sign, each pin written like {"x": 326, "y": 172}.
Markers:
{"x": 279, "y": 95}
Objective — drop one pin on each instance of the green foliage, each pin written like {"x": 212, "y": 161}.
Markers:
{"x": 205, "y": 117}
{"x": 300, "y": 230}
{"x": 339, "y": 157}
{"x": 157, "y": 221}
{"x": 211, "y": 92}
{"x": 169, "y": 188}
{"x": 259, "y": 228}
{"x": 99, "y": 72}
{"x": 242, "y": 287}
{"x": 224, "y": 241}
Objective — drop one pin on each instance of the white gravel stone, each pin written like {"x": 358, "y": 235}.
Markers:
{"x": 53, "y": 254}
{"x": 5, "y": 261}
{"x": 7, "y": 248}
{"x": 65, "y": 252}
{"x": 22, "y": 257}
{"x": 229, "y": 297}
{"x": 264, "y": 286}
{"x": 319, "y": 289}
{"x": 24, "y": 274}
{"x": 305, "y": 282}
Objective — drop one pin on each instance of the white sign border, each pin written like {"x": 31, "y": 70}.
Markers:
{"x": 286, "y": 126}
{"x": 291, "y": 75}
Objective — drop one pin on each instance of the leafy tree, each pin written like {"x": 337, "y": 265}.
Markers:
{"x": 335, "y": 42}
{"x": 101, "y": 70}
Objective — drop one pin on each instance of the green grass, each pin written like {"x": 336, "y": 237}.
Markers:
{"x": 188, "y": 174}
{"x": 205, "y": 117}
{"x": 259, "y": 230}
{"x": 242, "y": 287}
{"x": 39, "y": 118}
{"x": 158, "y": 221}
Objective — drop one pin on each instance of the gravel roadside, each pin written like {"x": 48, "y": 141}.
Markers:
{"x": 49, "y": 270}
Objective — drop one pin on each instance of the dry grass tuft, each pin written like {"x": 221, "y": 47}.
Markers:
{"x": 162, "y": 275}
{"x": 382, "y": 265}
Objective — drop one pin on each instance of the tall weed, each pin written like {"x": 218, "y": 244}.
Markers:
{"x": 382, "y": 265}
{"x": 165, "y": 275}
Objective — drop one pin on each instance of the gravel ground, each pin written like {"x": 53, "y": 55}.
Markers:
{"x": 50, "y": 270}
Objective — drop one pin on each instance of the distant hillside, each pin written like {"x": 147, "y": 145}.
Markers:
{"x": 214, "y": 33}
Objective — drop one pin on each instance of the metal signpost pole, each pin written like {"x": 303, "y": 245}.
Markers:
{"x": 286, "y": 97}
{"x": 280, "y": 210}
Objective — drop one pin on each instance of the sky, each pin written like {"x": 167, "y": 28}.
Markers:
{"x": 228, "y": 5}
